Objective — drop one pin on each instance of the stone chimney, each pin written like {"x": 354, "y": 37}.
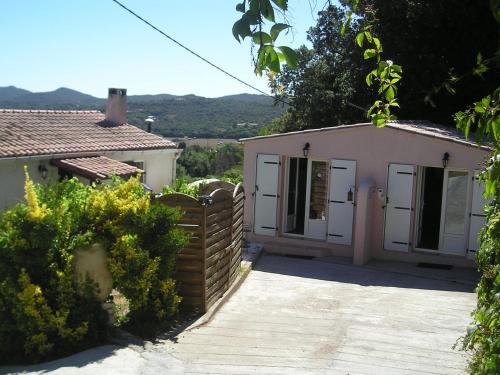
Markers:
{"x": 116, "y": 107}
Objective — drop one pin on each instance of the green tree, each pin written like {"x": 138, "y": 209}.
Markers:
{"x": 328, "y": 85}
{"x": 198, "y": 161}
{"x": 329, "y": 80}
{"x": 227, "y": 156}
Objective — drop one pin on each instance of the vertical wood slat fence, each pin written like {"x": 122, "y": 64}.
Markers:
{"x": 210, "y": 262}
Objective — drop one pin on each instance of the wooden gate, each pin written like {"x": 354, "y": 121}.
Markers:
{"x": 210, "y": 262}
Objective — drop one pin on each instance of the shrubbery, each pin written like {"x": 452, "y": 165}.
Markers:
{"x": 483, "y": 338}
{"x": 202, "y": 162}
{"x": 44, "y": 312}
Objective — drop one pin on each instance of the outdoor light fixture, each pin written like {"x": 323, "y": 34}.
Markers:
{"x": 43, "y": 171}
{"x": 350, "y": 195}
{"x": 446, "y": 158}
{"x": 306, "y": 149}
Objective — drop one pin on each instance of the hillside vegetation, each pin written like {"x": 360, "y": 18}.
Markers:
{"x": 177, "y": 116}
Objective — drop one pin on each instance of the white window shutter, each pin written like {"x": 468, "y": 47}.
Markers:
{"x": 340, "y": 210}
{"x": 398, "y": 207}
{"x": 266, "y": 194}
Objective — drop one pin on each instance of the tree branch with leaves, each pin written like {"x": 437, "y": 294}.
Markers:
{"x": 269, "y": 55}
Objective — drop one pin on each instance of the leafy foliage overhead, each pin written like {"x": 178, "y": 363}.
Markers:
{"x": 255, "y": 13}
{"x": 330, "y": 80}
{"x": 328, "y": 86}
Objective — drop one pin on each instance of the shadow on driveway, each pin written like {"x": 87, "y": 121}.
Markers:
{"x": 77, "y": 360}
{"x": 388, "y": 274}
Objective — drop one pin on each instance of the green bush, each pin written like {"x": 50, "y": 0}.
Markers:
{"x": 483, "y": 338}
{"x": 44, "y": 312}
{"x": 183, "y": 185}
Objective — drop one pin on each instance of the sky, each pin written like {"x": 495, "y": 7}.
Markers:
{"x": 91, "y": 45}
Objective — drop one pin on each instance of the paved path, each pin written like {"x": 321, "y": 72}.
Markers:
{"x": 294, "y": 316}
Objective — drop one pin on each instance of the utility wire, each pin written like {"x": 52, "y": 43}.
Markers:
{"x": 194, "y": 53}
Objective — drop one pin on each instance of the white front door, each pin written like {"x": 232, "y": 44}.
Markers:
{"x": 316, "y": 204}
{"x": 477, "y": 215}
{"x": 340, "y": 209}
{"x": 398, "y": 207}
{"x": 266, "y": 194}
{"x": 453, "y": 212}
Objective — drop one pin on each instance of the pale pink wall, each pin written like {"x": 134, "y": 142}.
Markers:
{"x": 373, "y": 149}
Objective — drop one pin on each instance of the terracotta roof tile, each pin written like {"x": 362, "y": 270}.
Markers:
{"x": 96, "y": 167}
{"x": 41, "y": 132}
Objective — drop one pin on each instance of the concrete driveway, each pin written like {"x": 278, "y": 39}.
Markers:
{"x": 295, "y": 316}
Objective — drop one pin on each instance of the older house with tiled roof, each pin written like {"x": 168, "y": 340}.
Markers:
{"x": 87, "y": 144}
{"x": 406, "y": 192}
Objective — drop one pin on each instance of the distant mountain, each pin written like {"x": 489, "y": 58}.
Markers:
{"x": 63, "y": 97}
{"x": 11, "y": 92}
{"x": 150, "y": 98}
{"x": 177, "y": 116}
{"x": 249, "y": 98}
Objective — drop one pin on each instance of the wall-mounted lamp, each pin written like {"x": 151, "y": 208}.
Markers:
{"x": 350, "y": 195}
{"x": 446, "y": 159}
{"x": 43, "y": 171}
{"x": 305, "y": 150}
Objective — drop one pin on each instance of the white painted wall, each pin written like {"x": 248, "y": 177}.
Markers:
{"x": 12, "y": 178}
{"x": 159, "y": 165}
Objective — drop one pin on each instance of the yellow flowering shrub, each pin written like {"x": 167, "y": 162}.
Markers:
{"x": 35, "y": 211}
{"x": 43, "y": 312}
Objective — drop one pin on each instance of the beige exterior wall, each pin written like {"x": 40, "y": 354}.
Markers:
{"x": 373, "y": 149}
{"x": 12, "y": 178}
{"x": 160, "y": 167}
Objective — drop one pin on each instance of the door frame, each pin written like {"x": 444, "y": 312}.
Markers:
{"x": 284, "y": 213}
{"x": 418, "y": 207}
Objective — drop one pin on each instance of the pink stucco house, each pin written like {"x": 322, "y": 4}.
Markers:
{"x": 405, "y": 192}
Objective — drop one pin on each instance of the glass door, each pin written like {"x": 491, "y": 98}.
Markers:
{"x": 317, "y": 192}
{"x": 453, "y": 212}
{"x": 295, "y": 193}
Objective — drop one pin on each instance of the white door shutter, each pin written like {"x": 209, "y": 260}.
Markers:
{"x": 266, "y": 194}
{"x": 340, "y": 210}
{"x": 477, "y": 216}
{"x": 398, "y": 207}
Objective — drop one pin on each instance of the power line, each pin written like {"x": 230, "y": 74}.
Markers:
{"x": 194, "y": 53}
